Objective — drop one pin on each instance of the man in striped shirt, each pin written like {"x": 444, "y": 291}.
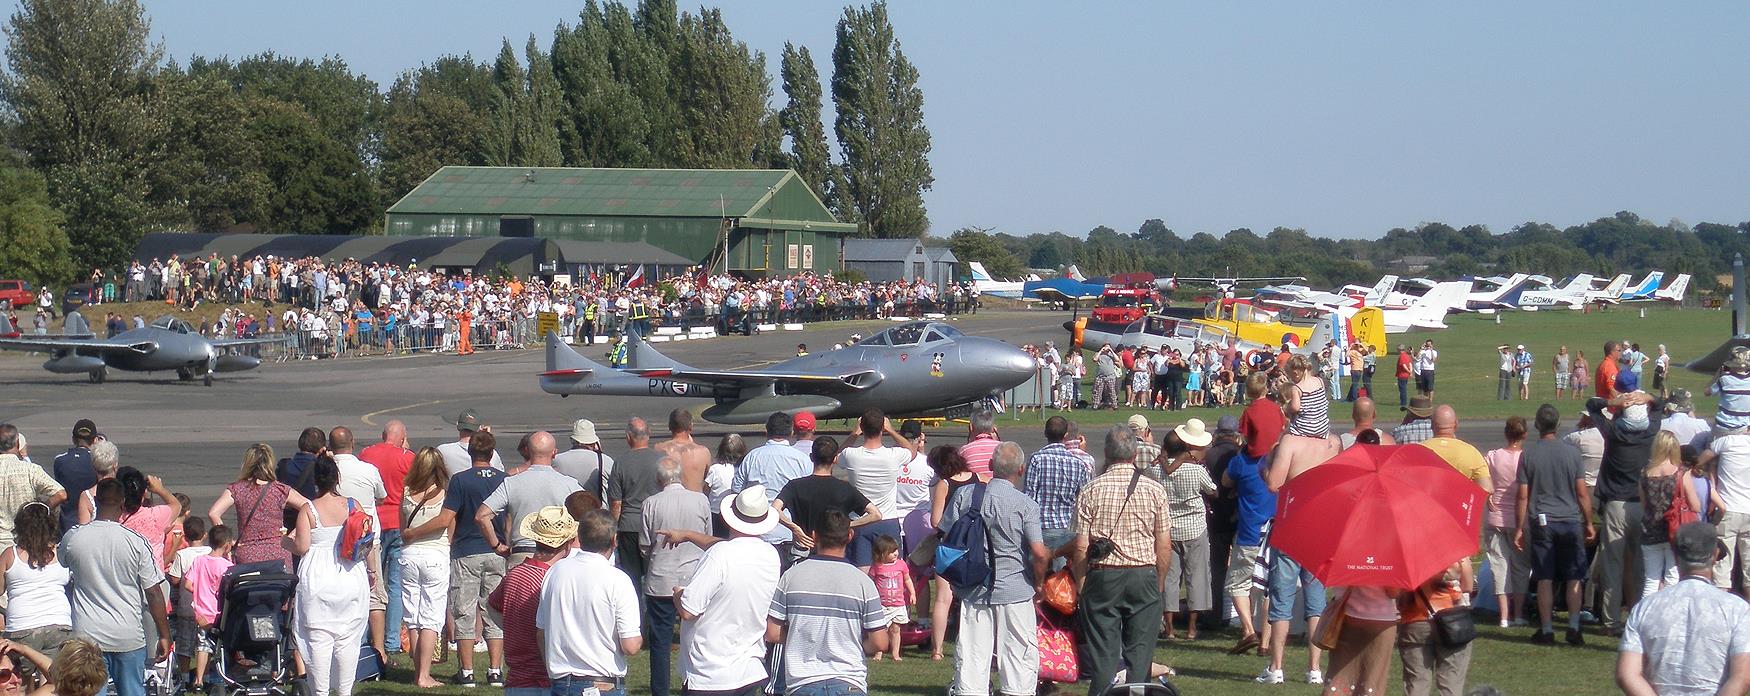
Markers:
{"x": 518, "y": 598}
{"x": 826, "y": 616}
{"x": 981, "y": 442}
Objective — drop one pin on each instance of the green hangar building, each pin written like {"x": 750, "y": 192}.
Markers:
{"x": 749, "y": 222}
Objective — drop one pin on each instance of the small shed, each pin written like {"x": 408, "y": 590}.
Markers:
{"x": 884, "y": 260}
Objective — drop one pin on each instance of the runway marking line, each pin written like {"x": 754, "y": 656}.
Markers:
{"x": 367, "y": 417}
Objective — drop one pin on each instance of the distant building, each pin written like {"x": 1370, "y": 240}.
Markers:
{"x": 745, "y": 221}
{"x": 883, "y": 260}
{"x": 1413, "y": 264}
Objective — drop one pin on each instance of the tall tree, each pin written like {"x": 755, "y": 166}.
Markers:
{"x": 211, "y": 164}
{"x": 721, "y": 90}
{"x": 433, "y": 116}
{"x": 319, "y": 186}
{"x": 543, "y": 103}
{"x": 79, "y": 85}
{"x": 880, "y": 125}
{"x": 604, "y": 122}
{"x": 809, "y": 154}
{"x": 33, "y": 246}
{"x": 508, "y": 82}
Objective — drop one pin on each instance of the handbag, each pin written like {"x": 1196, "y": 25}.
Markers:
{"x": 924, "y": 554}
{"x": 1057, "y": 652}
{"x": 1679, "y": 513}
{"x": 1060, "y": 592}
{"x": 1331, "y": 623}
{"x": 1454, "y": 627}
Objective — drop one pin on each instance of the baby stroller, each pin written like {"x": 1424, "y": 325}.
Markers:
{"x": 250, "y": 654}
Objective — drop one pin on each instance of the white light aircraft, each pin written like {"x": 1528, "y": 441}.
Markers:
{"x": 1643, "y": 290}
{"x": 1610, "y": 293}
{"x": 1571, "y": 295}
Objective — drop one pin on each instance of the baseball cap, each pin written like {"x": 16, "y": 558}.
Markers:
{"x": 469, "y": 420}
{"x": 583, "y": 432}
{"x": 803, "y": 421}
{"x": 1626, "y": 381}
{"x": 84, "y": 429}
{"x": 1138, "y": 422}
{"x": 1695, "y": 544}
{"x": 1227, "y": 424}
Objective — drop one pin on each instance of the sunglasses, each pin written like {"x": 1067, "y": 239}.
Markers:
{"x": 9, "y": 674}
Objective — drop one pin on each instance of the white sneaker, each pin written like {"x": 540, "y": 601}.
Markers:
{"x": 1504, "y": 623}
{"x": 1269, "y": 676}
{"x": 1315, "y": 677}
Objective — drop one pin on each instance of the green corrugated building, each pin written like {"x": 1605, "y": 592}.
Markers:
{"x": 771, "y": 224}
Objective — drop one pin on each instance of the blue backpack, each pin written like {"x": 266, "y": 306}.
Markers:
{"x": 965, "y": 555}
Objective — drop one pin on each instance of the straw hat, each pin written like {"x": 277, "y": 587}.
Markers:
{"x": 583, "y": 432}
{"x": 550, "y": 526}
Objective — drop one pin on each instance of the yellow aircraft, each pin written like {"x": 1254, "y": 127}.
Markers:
{"x": 1242, "y": 319}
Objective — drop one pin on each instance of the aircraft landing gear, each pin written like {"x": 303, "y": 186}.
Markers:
{"x": 207, "y": 379}
{"x": 184, "y": 374}
{"x": 98, "y": 375}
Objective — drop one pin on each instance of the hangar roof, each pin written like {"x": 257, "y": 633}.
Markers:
{"x": 582, "y": 191}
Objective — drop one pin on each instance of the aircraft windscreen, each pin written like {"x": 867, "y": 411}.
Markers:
{"x": 905, "y": 334}
{"x": 949, "y": 331}
{"x": 169, "y": 323}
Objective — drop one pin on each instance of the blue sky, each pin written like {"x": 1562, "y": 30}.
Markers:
{"x": 1344, "y": 118}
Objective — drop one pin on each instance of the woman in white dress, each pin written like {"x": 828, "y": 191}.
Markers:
{"x": 333, "y": 597}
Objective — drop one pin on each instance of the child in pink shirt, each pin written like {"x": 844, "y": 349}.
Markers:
{"x": 893, "y": 582}
{"x": 201, "y": 582}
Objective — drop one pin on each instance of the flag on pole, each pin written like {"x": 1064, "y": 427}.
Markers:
{"x": 636, "y": 280}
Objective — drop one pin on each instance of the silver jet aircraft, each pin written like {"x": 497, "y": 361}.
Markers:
{"x": 165, "y": 345}
{"x": 916, "y": 368}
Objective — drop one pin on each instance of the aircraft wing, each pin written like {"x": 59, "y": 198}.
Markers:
{"x": 854, "y": 380}
{"x": 49, "y": 344}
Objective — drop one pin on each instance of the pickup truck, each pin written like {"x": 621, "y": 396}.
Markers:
{"x": 15, "y": 293}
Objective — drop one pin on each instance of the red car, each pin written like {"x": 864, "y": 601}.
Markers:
{"x": 16, "y": 293}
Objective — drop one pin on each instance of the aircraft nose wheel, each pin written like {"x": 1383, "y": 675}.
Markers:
{"x": 98, "y": 375}
{"x": 207, "y": 379}
{"x": 184, "y": 374}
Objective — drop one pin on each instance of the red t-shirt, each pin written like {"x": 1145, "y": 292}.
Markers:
{"x": 1261, "y": 424}
{"x": 517, "y": 600}
{"x": 1605, "y": 380}
{"x": 1403, "y": 365}
{"x": 392, "y": 463}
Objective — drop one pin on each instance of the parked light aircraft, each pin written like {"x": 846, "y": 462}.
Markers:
{"x": 1611, "y": 292}
{"x": 915, "y": 368}
{"x": 986, "y": 285}
{"x": 1571, "y": 295}
{"x": 1674, "y": 291}
{"x": 1643, "y": 290}
{"x": 1504, "y": 293}
{"x": 168, "y": 344}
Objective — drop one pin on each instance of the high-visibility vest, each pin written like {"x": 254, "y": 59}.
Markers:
{"x": 639, "y": 311}
{"x": 589, "y": 313}
{"x": 619, "y": 354}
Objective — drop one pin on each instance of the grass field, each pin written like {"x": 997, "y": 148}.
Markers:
{"x": 1469, "y": 362}
{"x": 1501, "y": 659}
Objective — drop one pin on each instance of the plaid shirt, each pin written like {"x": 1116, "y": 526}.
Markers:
{"x": 1413, "y": 432}
{"x": 1132, "y": 519}
{"x": 1146, "y": 453}
{"x": 1185, "y": 489}
{"x": 1055, "y": 475}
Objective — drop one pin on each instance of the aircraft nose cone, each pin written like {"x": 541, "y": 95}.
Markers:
{"x": 1008, "y": 360}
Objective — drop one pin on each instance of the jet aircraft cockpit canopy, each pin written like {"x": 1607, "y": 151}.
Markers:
{"x": 170, "y": 323}
{"x": 912, "y": 333}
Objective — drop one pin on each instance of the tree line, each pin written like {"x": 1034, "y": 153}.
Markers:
{"x": 108, "y": 139}
{"x": 1621, "y": 243}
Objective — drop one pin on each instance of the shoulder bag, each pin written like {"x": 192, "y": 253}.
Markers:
{"x": 1331, "y": 624}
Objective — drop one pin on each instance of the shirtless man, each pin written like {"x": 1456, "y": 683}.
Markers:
{"x": 681, "y": 447}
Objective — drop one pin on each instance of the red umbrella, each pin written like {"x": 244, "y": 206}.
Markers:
{"x": 1384, "y": 515}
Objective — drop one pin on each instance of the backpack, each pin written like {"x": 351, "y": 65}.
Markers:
{"x": 1679, "y": 513}
{"x": 357, "y": 533}
{"x": 957, "y": 556}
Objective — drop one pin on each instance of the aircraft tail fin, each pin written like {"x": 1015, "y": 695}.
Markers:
{"x": 1074, "y": 273}
{"x": 565, "y": 361}
{"x": 1581, "y": 283}
{"x": 74, "y": 324}
{"x": 1381, "y": 289}
{"x": 1430, "y": 311}
{"x": 641, "y": 356}
{"x": 1367, "y": 326}
{"x": 1674, "y": 293}
{"x": 1646, "y": 288}
{"x": 977, "y": 270}
{"x": 1616, "y": 286}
